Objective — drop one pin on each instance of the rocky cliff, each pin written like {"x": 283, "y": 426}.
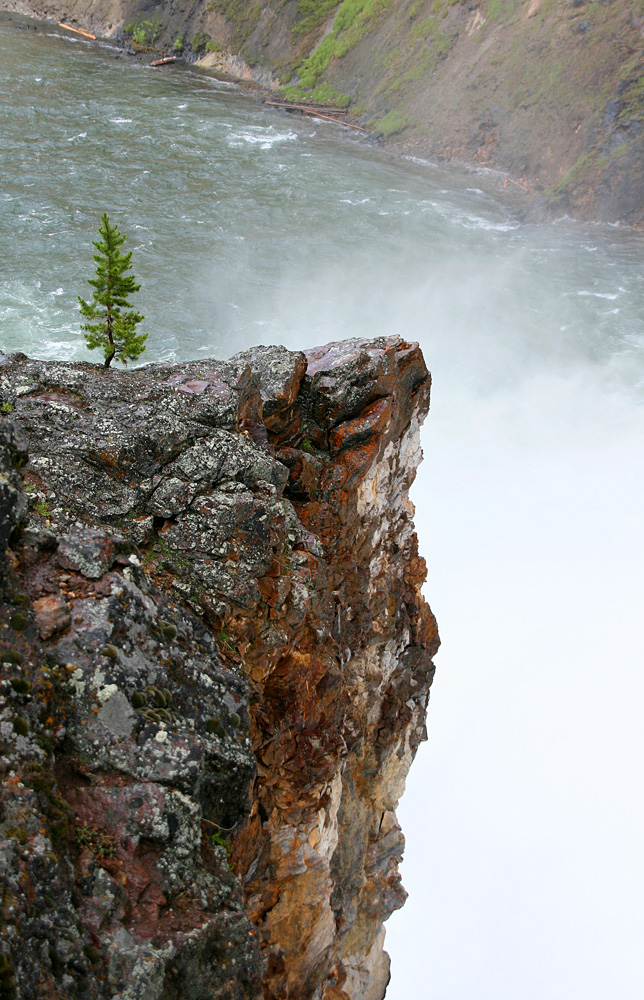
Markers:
{"x": 547, "y": 92}
{"x": 215, "y": 663}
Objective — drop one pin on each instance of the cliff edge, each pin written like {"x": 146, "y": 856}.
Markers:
{"x": 215, "y": 663}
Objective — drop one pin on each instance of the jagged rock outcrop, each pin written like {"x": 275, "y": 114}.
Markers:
{"x": 215, "y": 662}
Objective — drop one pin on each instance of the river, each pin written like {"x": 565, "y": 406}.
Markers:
{"x": 524, "y": 812}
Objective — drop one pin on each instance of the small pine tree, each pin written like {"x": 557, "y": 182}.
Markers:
{"x": 109, "y": 328}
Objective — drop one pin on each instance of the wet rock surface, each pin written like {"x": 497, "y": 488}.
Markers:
{"x": 215, "y": 663}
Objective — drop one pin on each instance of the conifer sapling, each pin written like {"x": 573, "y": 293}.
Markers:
{"x": 112, "y": 322}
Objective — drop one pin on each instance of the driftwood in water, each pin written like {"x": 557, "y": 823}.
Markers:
{"x": 307, "y": 106}
{"x": 68, "y": 27}
{"x": 337, "y": 115}
{"x": 164, "y": 61}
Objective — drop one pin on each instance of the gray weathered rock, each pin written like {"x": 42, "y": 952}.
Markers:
{"x": 213, "y": 641}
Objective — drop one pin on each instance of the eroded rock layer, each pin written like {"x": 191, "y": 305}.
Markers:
{"x": 215, "y": 667}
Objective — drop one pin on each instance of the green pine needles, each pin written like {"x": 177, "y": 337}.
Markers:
{"x": 112, "y": 322}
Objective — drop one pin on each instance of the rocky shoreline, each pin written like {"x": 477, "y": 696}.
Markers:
{"x": 215, "y": 663}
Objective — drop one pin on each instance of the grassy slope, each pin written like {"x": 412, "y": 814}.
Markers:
{"x": 549, "y": 91}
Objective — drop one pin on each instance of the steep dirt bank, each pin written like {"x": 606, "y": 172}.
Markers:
{"x": 550, "y": 92}
{"x": 214, "y": 672}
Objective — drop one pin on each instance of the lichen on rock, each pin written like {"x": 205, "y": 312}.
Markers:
{"x": 215, "y": 663}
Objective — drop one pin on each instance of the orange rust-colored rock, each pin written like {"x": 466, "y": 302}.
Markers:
{"x": 337, "y": 722}
{"x": 51, "y": 615}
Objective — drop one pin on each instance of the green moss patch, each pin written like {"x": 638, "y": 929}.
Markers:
{"x": 199, "y": 41}
{"x": 392, "y": 123}
{"x": 311, "y": 15}
{"x": 324, "y": 93}
{"x": 500, "y": 10}
{"x": 353, "y": 19}
{"x": 242, "y": 15}
{"x": 144, "y": 32}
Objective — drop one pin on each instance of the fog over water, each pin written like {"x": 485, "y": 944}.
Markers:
{"x": 524, "y": 813}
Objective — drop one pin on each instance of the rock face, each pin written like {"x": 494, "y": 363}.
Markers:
{"x": 215, "y": 663}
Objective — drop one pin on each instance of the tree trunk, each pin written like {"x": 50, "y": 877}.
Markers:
{"x": 108, "y": 357}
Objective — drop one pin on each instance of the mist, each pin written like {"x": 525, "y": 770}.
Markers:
{"x": 523, "y": 813}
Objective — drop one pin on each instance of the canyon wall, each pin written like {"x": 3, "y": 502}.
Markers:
{"x": 215, "y": 663}
{"x": 547, "y": 92}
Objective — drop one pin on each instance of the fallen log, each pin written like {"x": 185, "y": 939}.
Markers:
{"x": 292, "y": 106}
{"x": 338, "y": 121}
{"x": 164, "y": 61}
{"x": 522, "y": 183}
{"x": 316, "y": 112}
{"x": 85, "y": 34}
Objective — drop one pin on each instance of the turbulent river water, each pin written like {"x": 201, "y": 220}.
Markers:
{"x": 524, "y": 812}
